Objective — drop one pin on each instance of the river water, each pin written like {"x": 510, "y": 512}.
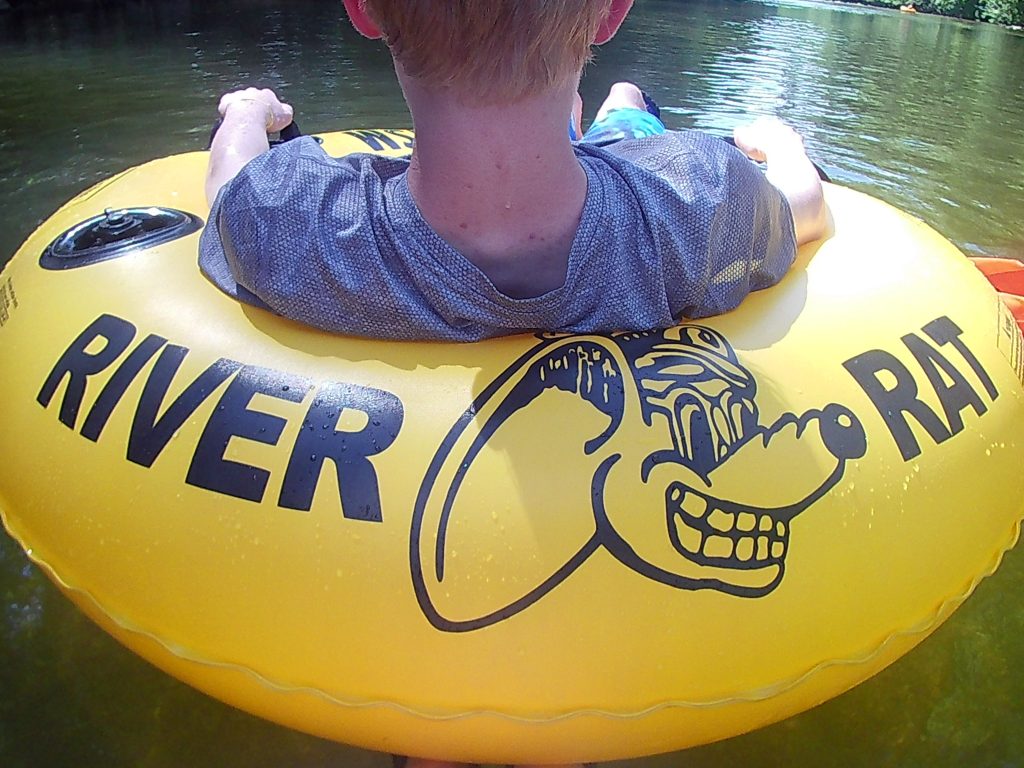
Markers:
{"x": 925, "y": 113}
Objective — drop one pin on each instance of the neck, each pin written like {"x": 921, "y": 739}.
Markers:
{"x": 498, "y": 182}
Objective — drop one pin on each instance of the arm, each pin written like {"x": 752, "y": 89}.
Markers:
{"x": 789, "y": 170}
{"x": 248, "y": 116}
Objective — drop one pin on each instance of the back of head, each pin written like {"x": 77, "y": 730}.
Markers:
{"x": 490, "y": 51}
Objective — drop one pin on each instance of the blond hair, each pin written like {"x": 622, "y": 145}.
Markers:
{"x": 493, "y": 51}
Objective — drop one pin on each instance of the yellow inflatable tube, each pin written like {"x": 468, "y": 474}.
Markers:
{"x": 539, "y": 548}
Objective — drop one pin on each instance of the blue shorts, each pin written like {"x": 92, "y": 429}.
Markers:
{"x": 619, "y": 124}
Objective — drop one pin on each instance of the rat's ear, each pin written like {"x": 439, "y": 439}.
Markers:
{"x": 611, "y": 22}
{"x": 471, "y": 569}
{"x": 361, "y": 20}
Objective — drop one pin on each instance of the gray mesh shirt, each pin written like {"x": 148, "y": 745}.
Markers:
{"x": 674, "y": 226}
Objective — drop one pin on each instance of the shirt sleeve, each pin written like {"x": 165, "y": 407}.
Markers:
{"x": 268, "y": 203}
{"x": 722, "y": 229}
{"x": 296, "y": 232}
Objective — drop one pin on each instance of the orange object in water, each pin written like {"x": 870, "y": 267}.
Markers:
{"x": 1007, "y": 277}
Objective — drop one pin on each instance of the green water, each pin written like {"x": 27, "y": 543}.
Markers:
{"x": 925, "y": 113}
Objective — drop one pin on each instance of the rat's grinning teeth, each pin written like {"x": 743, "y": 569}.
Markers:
{"x": 705, "y": 533}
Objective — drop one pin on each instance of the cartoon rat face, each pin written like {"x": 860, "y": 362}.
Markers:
{"x": 685, "y": 497}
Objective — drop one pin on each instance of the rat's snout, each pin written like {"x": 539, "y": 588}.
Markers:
{"x": 842, "y": 433}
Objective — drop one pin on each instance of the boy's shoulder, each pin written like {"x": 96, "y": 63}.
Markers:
{"x": 689, "y": 168}
{"x": 298, "y": 174}
{"x": 668, "y": 150}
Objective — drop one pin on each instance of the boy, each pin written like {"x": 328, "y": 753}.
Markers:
{"x": 499, "y": 224}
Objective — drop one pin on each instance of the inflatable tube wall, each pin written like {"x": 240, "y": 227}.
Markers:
{"x": 542, "y": 548}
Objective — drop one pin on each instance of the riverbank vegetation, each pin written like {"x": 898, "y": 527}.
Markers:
{"x": 1007, "y": 12}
